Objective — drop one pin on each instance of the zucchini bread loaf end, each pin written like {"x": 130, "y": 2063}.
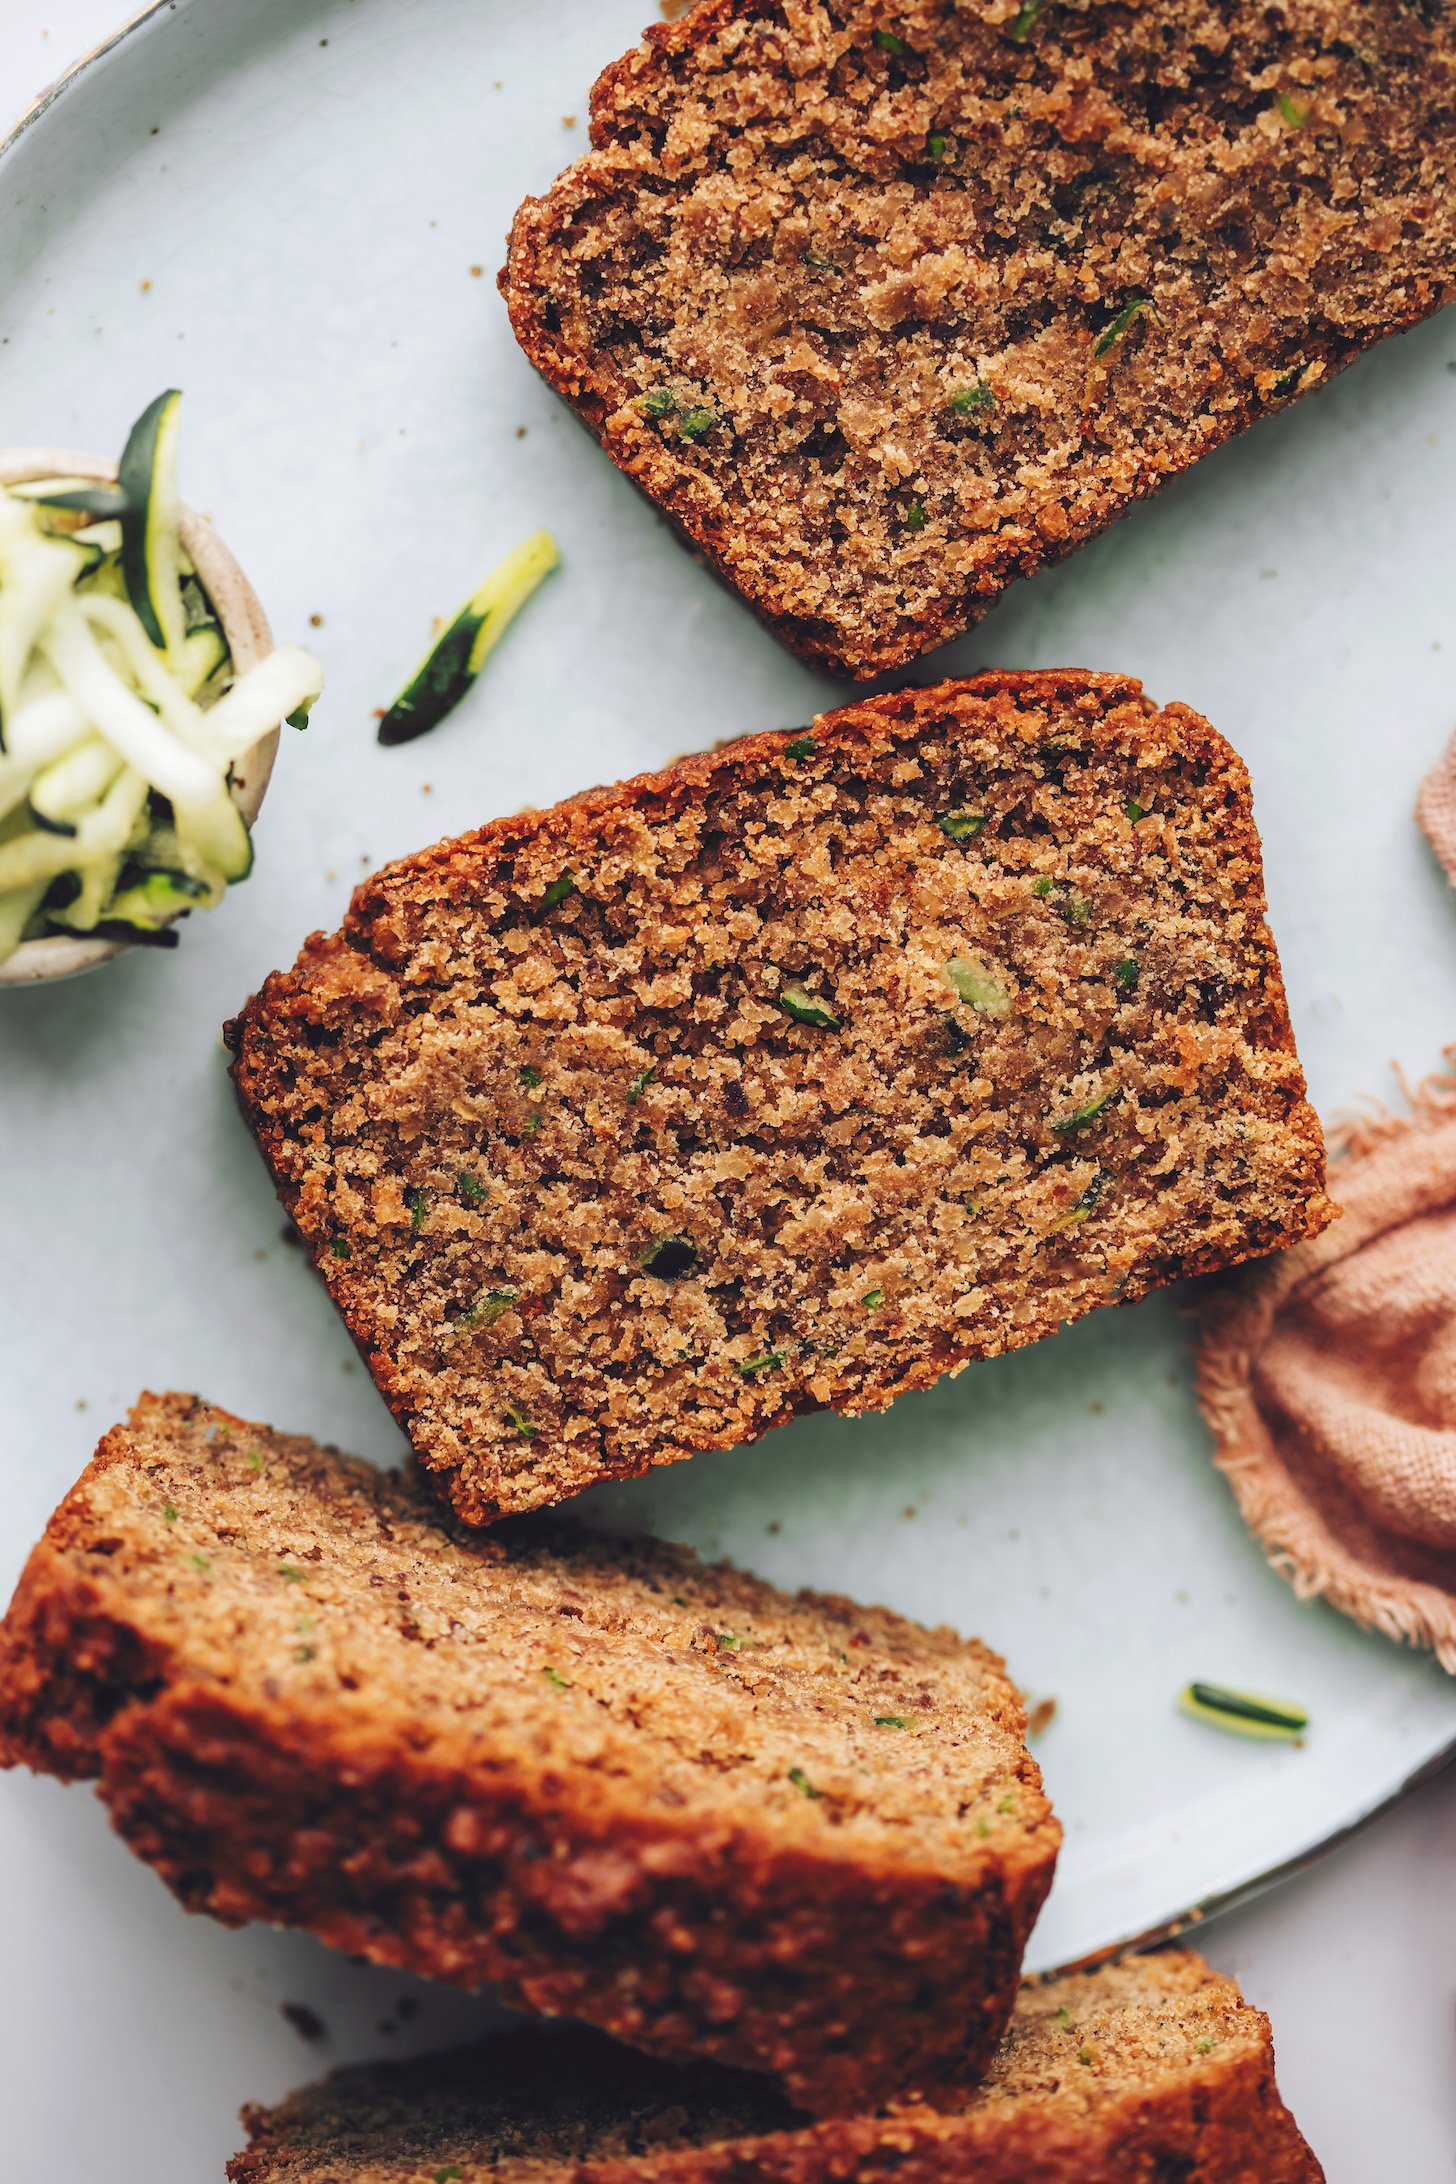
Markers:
{"x": 798, "y": 1075}
{"x": 792, "y": 1834}
{"x": 888, "y": 305}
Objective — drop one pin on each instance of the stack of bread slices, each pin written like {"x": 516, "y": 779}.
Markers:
{"x": 800, "y": 1074}
{"x": 788, "y": 1850}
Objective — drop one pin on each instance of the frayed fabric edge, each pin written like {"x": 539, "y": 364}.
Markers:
{"x": 1297, "y": 1543}
{"x": 1236, "y": 1322}
{"x": 1433, "y": 1100}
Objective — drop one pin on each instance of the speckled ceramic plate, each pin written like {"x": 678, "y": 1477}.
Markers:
{"x": 295, "y": 212}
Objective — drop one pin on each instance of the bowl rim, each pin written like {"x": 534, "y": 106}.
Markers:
{"x": 244, "y": 625}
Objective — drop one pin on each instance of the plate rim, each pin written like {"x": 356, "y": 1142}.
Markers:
{"x": 1182, "y": 1924}
{"x": 45, "y": 99}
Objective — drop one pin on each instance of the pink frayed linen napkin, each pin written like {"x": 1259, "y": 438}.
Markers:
{"x": 1328, "y": 1375}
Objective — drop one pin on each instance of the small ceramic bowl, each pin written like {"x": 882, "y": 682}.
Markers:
{"x": 245, "y": 627}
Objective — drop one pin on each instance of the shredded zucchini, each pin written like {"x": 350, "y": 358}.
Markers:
{"x": 119, "y": 721}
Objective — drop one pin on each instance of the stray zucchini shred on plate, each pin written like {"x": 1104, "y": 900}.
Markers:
{"x": 452, "y": 664}
{"x": 120, "y": 717}
{"x": 1244, "y": 1713}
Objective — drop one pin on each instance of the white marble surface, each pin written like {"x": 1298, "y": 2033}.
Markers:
{"x": 1355, "y": 1961}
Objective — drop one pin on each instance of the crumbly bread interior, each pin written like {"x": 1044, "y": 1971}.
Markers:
{"x": 1082, "y": 2055}
{"x": 258, "y": 1562}
{"x": 528, "y": 2106}
{"x": 889, "y": 305}
{"x": 1078, "y": 2039}
{"x": 792, "y": 1833}
{"x": 798, "y": 1075}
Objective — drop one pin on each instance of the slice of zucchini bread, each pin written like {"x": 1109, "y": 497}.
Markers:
{"x": 797, "y": 1075}
{"x": 887, "y": 305}
{"x": 793, "y": 1834}
{"x": 1137, "y": 2074}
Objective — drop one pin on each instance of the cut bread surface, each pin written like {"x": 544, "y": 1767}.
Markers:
{"x": 797, "y": 1075}
{"x": 1135, "y": 2074}
{"x": 792, "y": 1834}
{"x": 888, "y": 306}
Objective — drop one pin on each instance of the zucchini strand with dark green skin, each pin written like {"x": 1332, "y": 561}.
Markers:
{"x": 144, "y": 501}
{"x": 150, "y": 552}
{"x": 106, "y": 502}
{"x": 448, "y": 670}
{"x": 1079, "y": 1119}
{"x": 1244, "y": 1713}
{"x": 807, "y": 1008}
{"x": 1119, "y": 326}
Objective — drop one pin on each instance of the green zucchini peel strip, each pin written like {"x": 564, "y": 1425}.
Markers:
{"x": 151, "y": 549}
{"x": 1244, "y": 1713}
{"x": 1113, "y": 333}
{"x": 1081, "y": 1116}
{"x": 453, "y": 662}
{"x": 807, "y": 1008}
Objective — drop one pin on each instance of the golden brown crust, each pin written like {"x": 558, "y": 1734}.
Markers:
{"x": 806, "y": 231}
{"x": 792, "y": 1834}
{"x": 1137, "y": 2074}
{"x": 490, "y": 1111}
